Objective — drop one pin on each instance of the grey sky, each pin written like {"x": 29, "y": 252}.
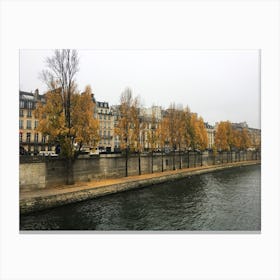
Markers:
{"x": 218, "y": 85}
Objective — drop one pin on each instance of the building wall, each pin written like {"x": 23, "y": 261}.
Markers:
{"x": 106, "y": 126}
{"x": 210, "y": 136}
{"x": 29, "y": 139}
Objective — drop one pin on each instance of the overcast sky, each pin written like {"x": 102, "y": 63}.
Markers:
{"x": 218, "y": 85}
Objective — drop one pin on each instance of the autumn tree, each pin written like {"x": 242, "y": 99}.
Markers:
{"x": 198, "y": 134}
{"x": 236, "y": 135}
{"x": 236, "y": 141}
{"x": 189, "y": 137}
{"x": 83, "y": 130}
{"x": 152, "y": 136}
{"x": 171, "y": 116}
{"x": 214, "y": 154}
{"x": 245, "y": 139}
{"x": 138, "y": 124}
{"x": 65, "y": 109}
{"x": 126, "y": 125}
{"x": 224, "y": 136}
{"x": 201, "y": 134}
{"x": 186, "y": 143}
{"x": 162, "y": 133}
{"x": 182, "y": 130}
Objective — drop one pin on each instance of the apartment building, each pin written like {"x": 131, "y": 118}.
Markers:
{"x": 30, "y": 141}
{"x": 106, "y": 126}
{"x": 115, "y": 110}
{"x": 210, "y": 135}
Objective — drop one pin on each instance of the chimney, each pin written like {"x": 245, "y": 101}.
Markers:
{"x": 36, "y": 93}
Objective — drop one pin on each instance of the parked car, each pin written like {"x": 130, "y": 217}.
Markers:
{"x": 48, "y": 153}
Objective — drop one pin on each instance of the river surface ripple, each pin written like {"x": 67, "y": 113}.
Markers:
{"x": 218, "y": 201}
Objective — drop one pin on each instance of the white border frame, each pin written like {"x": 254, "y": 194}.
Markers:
{"x": 140, "y": 25}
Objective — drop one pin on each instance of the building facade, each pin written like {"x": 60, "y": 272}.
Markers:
{"x": 106, "y": 126}
{"x": 210, "y": 135}
{"x": 30, "y": 141}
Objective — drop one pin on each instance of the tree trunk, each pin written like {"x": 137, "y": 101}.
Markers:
{"x": 161, "y": 160}
{"x": 180, "y": 155}
{"x": 188, "y": 159}
{"x": 126, "y": 163}
{"x": 69, "y": 171}
{"x": 174, "y": 160}
{"x": 139, "y": 163}
{"x": 152, "y": 161}
{"x": 201, "y": 159}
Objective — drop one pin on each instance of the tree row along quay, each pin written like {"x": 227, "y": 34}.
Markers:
{"x": 31, "y": 201}
{"x": 66, "y": 118}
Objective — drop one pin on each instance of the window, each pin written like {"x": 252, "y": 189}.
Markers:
{"x": 28, "y": 137}
{"x": 20, "y": 137}
{"x": 21, "y": 113}
{"x": 29, "y": 113}
{"x": 43, "y": 139}
{"x": 104, "y": 133}
{"x": 28, "y": 124}
{"x": 21, "y": 104}
{"x": 104, "y": 117}
{"x": 35, "y": 124}
{"x": 29, "y": 105}
{"x": 36, "y": 137}
{"x": 20, "y": 123}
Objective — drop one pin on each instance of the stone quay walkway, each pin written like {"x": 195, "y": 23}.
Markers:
{"x": 35, "y": 200}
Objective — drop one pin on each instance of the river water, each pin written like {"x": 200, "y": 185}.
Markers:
{"x": 218, "y": 201}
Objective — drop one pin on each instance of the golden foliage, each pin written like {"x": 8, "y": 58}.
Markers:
{"x": 224, "y": 136}
{"x": 162, "y": 132}
{"x": 83, "y": 127}
{"x": 128, "y": 125}
{"x": 228, "y": 138}
{"x": 198, "y": 133}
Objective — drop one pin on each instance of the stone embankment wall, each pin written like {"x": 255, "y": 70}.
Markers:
{"x": 55, "y": 199}
{"x": 51, "y": 172}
